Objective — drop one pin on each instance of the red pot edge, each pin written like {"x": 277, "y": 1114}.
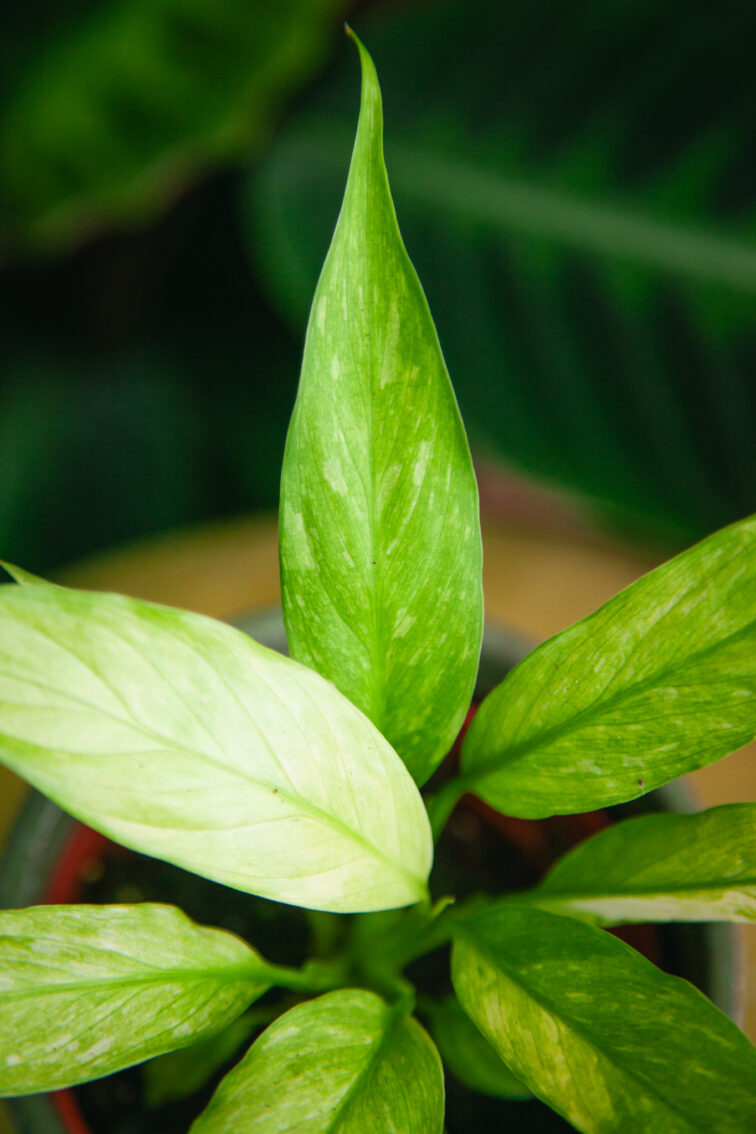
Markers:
{"x": 67, "y": 1109}
{"x": 64, "y": 886}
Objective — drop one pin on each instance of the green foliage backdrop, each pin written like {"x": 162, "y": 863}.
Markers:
{"x": 119, "y": 107}
{"x": 575, "y": 184}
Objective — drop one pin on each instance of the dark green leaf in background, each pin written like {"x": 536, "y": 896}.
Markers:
{"x": 659, "y": 681}
{"x": 576, "y": 188}
{"x": 111, "y": 115}
{"x": 600, "y": 1034}
{"x": 179, "y": 1074}
{"x": 31, "y": 409}
{"x": 145, "y": 386}
{"x": 380, "y": 535}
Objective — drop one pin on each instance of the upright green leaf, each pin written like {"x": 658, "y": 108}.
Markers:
{"x": 660, "y": 868}
{"x": 380, "y": 536}
{"x": 183, "y": 738}
{"x": 345, "y": 1063}
{"x": 87, "y": 990}
{"x": 659, "y": 681}
{"x": 575, "y": 185}
{"x": 599, "y": 1033}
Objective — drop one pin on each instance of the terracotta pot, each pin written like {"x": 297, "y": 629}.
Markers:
{"x": 50, "y": 858}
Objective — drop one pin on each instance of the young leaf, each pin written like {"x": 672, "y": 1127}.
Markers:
{"x": 659, "y": 681}
{"x": 87, "y": 990}
{"x": 380, "y": 535}
{"x": 468, "y": 1054}
{"x": 182, "y": 738}
{"x": 550, "y": 261}
{"x": 660, "y": 868}
{"x": 600, "y": 1034}
{"x": 345, "y": 1063}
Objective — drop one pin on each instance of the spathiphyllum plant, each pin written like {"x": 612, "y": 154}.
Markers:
{"x": 299, "y": 779}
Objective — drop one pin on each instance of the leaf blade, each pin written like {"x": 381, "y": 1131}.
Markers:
{"x": 183, "y": 738}
{"x": 344, "y": 1063}
{"x": 380, "y": 535}
{"x": 659, "y": 681}
{"x": 468, "y": 1054}
{"x": 86, "y": 991}
{"x": 548, "y": 993}
{"x": 698, "y": 867}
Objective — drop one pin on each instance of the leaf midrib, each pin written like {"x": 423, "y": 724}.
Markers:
{"x": 377, "y": 1050}
{"x": 237, "y": 974}
{"x": 367, "y": 184}
{"x": 710, "y": 886}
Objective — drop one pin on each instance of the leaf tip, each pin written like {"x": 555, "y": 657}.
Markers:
{"x": 369, "y": 74}
{"x": 352, "y": 34}
{"x": 18, "y": 574}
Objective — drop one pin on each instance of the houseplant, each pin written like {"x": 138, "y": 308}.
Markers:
{"x": 298, "y": 780}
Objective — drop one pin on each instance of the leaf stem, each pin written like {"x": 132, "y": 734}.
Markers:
{"x": 314, "y": 976}
{"x": 441, "y": 804}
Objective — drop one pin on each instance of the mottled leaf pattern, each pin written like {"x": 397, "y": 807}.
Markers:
{"x": 576, "y": 189}
{"x": 345, "y": 1063}
{"x": 598, "y": 1032}
{"x": 380, "y": 536}
{"x": 660, "y": 868}
{"x": 659, "y": 681}
{"x": 87, "y": 990}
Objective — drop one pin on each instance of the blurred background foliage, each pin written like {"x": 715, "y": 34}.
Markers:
{"x": 576, "y": 185}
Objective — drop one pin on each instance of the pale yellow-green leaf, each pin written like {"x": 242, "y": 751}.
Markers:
{"x": 88, "y": 990}
{"x": 181, "y": 737}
